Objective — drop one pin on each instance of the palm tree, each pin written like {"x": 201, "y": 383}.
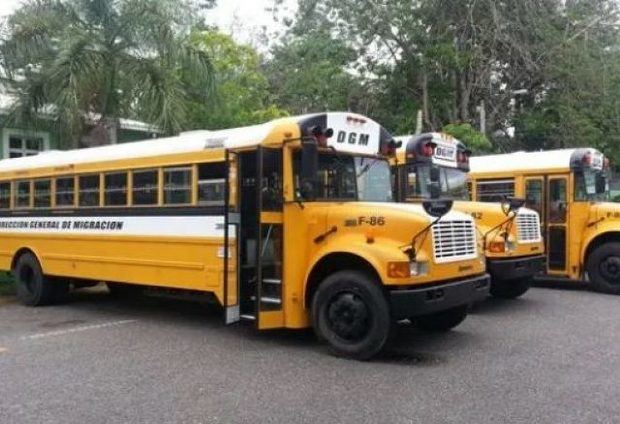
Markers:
{"x": 99, "y": 60}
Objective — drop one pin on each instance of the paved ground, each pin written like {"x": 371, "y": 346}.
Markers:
{"x": 550, "y": 357}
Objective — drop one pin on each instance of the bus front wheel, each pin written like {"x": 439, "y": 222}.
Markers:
{"x": 603, "y": 266}
{"x": 351, "y": 313}
{"x": 33, "y": 287}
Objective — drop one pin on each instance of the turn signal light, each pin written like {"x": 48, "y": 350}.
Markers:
{"x": 497, "y": 247}
{"x": 398, "y": 269}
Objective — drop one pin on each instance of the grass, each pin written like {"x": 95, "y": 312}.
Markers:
{"x": 7, "y": 285}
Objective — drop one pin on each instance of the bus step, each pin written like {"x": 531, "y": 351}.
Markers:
{"x": 272, "y": 281}
{"x": 248, "y": 317}
{"x": 268, "y": 299}
{"x": 271, "y": 300}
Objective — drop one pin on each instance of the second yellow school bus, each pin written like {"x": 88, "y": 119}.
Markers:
{"x": 287, "y": 224}
{"x": 569, "y": 188}
{"x": 511, "y": 239}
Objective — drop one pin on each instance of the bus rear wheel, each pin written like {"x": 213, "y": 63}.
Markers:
{"x": 351, "y": 313}
{"x": 603, "y": 266}
{"x": 510, "y": 289}
{"x": 443, "y": 321}
{"x": 33, "y": 287}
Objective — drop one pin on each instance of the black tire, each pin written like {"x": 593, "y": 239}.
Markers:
{"x": 510, "y": 289}
{"x": 123, "y": 291}
{"x": 443, "y": 321}
{"x": 33, "y": 287}
{"x": 351, "y": 313}
{"x": 603, "y": 266}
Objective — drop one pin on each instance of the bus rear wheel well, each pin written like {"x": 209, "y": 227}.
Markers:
{"x": 332, "y": 263}
{"x": 599, "y": 240}
{"x": 19, "y": 254}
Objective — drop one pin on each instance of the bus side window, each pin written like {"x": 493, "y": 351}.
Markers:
{"x": 65, "y": 194}
{"x": 177, "y": 186}
{"x": 42, "y": 193}
{"x": 22, "y": 194}
{"x": 5, "y": 195}
{"x": 211, "y": 183}
{"x": 494, "y": 191}
{"x": 534, "y": 195}
{"x": 145, "y": 187}
{"x": 89, "y": 190}
{"x": 115, "y": 189}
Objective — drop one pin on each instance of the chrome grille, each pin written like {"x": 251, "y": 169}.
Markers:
{"x": 528, "y": 227}
{"x": 454, "y": 240}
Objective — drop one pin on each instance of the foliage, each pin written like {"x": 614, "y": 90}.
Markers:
{"x": 307, "y": 73}
{"x": 7, "y": 284}
{"x": 476, "y": 141}
{"x": 241, "y": 95}
{"x": 546, "y": 71}
{"x": 79, "y": 60}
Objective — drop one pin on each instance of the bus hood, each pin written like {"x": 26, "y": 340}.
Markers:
{"x": 605, "y": 210}
{"x": 395, "y": 221}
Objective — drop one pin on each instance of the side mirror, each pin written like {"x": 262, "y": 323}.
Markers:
{"x": 601, "y": 184}
{"x": 512, "y": 204}
{"x": 437, "y": 208}
{"x": 309, "y": 169}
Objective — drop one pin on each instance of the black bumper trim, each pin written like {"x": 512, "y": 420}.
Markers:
{"x": 515, "y": 268}
{"x": 438, "y": 297}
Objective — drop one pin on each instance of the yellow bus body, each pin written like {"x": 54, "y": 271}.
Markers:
{"x": 511, "y": 255}
{"x": 192, "y": 246}
{"x": 574, "y": 225}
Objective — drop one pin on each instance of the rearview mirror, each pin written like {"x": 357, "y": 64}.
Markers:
{"x": 437, "y": 208}
{"x": 309, "y": 169}
{"x": 512, "y": 204}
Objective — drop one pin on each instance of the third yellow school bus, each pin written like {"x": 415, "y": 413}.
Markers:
{"x": 569, "y": 189}
{"x": 287, "y": 224}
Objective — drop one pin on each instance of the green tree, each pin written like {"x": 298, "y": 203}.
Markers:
{"x": 241, "y": 96}
{"x": 104, "y": 59}
{"x": 310, "y": 72}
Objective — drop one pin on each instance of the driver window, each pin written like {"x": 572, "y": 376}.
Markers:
{"x": 336, "y": 177}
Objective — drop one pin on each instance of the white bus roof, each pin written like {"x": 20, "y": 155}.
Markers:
{"x": 194, "y": 141}
{"x": 527, "y": 161}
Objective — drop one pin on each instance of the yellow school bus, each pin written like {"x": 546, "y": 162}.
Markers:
{"x": 288, "y": 224}
{"x": 511, "y": 237}
{"x": 569, "y": 189}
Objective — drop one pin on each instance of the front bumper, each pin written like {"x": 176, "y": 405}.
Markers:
{"x": 426, "y": 300}
{"x": 515, "y": 268}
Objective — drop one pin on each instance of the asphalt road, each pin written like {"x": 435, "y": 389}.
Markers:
{"x": 551, "y": 357}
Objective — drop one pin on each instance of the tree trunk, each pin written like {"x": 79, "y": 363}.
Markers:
{"x": 425, "y": 106}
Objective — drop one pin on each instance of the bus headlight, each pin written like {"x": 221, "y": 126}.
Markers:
{"x": 417, "y": 269}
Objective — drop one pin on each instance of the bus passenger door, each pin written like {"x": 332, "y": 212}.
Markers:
{"x": 232, "y": 221}
{"x": 260, "y": 237}
{"x": 557, "y": 225}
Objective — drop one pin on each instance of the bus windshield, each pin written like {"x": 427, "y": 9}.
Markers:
{"x": 453, "y": 182}
{"x": 591, "y": 185}
{"x": 351, "y": 178}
